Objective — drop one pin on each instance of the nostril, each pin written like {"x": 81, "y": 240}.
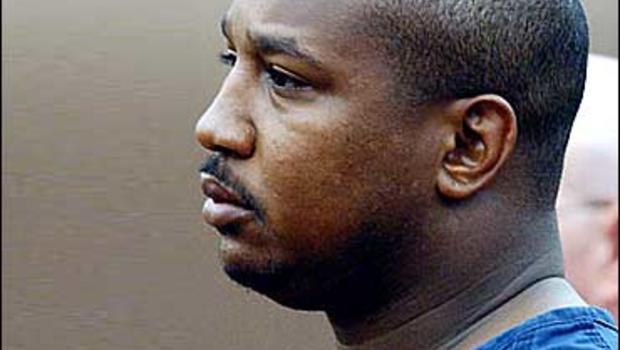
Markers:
{"x": 235, "y": 147}
{"x": 225, "y": 152}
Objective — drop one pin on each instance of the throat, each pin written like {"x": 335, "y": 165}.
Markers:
{"x": 444, "y": 316}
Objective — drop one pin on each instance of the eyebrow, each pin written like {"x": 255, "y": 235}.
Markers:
{"x": 274, "y": 45}
{"x": 224, "y": 25}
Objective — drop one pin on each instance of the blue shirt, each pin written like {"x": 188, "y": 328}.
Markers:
{"x": 577, "y": 328}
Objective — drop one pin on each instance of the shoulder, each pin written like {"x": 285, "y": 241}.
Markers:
{"x": 582, "y": 328}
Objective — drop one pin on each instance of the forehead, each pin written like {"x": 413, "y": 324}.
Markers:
{"x": 326, "y": 29}
{"x": 308, "y": 14}
{"x": 321, "y": 24}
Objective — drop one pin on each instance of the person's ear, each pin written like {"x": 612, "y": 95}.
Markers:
{"x": 483, "y": 133}
{"x": 611, "y": 231}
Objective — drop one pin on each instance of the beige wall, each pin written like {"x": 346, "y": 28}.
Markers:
{"x": 603, "y": 15}
{"x": 103, "y": 245}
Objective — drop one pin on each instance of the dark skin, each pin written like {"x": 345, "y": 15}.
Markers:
{"x": 376, "y": 212}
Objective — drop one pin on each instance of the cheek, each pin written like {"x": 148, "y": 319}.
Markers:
{"x": 322, "y": 188}
{"x": 302, "y": 169}
{"x": 325, "y": 174}
{"x": 313, "y": 189}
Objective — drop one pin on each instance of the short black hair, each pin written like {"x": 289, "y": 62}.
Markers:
{"x": 533, "y": 53}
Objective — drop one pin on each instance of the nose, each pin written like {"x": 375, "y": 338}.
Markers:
{"x": 226, "y": 126}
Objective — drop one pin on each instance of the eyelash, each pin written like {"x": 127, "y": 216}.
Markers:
{"x": 280, "y": 79}
{"x": 277, "y": 77}
{"x": 228, "y": 58}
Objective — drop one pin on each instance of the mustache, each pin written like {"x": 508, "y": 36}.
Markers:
{"x": 215, "y": 166}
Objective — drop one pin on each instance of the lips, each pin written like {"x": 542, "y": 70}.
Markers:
{"x": 223, "y": 206}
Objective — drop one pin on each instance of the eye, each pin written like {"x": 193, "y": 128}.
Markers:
{"x": 229, "y": 57}
{"x": 282, "y": 79}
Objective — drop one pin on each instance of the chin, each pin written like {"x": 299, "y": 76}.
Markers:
{"x": 278, "y": 284}
{"x": 293, "y": 285}
{"x": 310, "y": 281}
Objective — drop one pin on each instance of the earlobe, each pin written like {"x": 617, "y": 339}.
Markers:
{"x": 482, "y": 137}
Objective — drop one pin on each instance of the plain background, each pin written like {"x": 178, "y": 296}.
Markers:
{"x": 103, "y": 245}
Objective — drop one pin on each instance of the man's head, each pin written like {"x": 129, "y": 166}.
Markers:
{"x": 588, "y": 199}
{"x": 372, "y": 140}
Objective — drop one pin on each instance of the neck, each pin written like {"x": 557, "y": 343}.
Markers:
{"x": 440, "y": 305}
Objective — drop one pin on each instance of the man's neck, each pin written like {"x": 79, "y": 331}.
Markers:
{"x": 461, "y": 319}
{"x": 546, "y": 295}
{"x": 448, "y": 310}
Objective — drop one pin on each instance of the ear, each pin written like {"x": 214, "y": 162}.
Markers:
{"x": 611, "y": 231}
{"x": 482, "y": 134}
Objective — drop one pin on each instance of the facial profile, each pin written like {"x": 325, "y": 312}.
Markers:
{"x": 338, "y": 156}
{"x": 296, "y": 128}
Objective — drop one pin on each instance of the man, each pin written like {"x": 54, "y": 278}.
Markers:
{"x": 395, "y": 164}
{"x": 588, "y": 198}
